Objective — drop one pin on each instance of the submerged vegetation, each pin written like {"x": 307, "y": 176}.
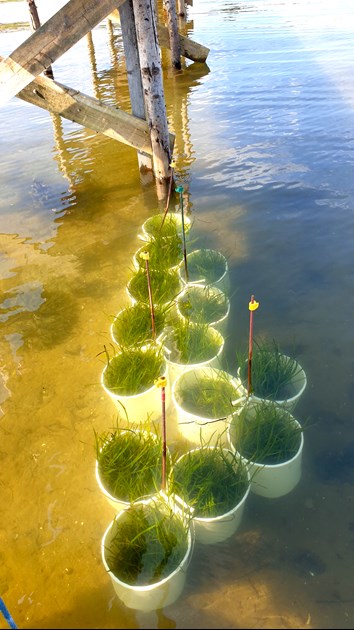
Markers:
{"x": 205, "y": 266}
{"x": 148, "y": 542}
{"x": 203, "y": 304}
{"x": 158, "y": 226}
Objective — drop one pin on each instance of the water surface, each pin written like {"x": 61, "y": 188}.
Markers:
{"x": 265, "y": 151}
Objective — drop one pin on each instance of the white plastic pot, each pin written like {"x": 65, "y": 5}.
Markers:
{"x": 175, "y": 368}
{"x": 142, "y": 406}
{"x": 194, "y": 427}
{"x": 117, "y": 341}
{"x": 221, "y": 323}
{"x": 147, "y": 234}
{"x": 138, "y": 265}
{"x": 298, "y": 385}
{"x": 273, "y": 480}
{"x": 171, "y": 274}
{"x": 151, "y": 596}
{"x": 216, "y": 529}
{"x": 222, "y": 282}
{"x": 116, "y": 503}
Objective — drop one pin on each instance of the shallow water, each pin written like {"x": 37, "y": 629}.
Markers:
{"x": 264, "y": 149}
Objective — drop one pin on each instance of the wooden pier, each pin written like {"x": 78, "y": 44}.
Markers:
{"x": 146, "y": 127}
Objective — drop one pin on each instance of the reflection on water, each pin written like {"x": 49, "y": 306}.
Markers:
{"x": 264, "y": 150}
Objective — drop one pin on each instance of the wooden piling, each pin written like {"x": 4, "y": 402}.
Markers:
{"x": 152, "y": 82}
{"x": 170, "y": 8}
{"x": 130, "y": 44}
{"x": 181, "y": 8}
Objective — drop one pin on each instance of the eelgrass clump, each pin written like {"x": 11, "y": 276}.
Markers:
{"x": 205, "y": 266}
{"x": 165, "y": 286}
{"x": 265, "y": 433}
{"x": 158, "y": 226}
{"x": 203, "y": 304}
{"x": 191, "y": 343}
{"x": 164, "y": 253}
{"x": 210, "y": 479}
{"x": 133, "y": 325}
{"x": 149, "y": 541}
{"x": 274, "y": 375}
{"x": 212, "y": 396}
{"x": 133, "y": 370}
{"x": 129, "y": 463}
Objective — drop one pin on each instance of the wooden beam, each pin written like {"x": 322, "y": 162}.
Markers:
{"x": 189, "y": 48}
{"x": 89, "y": 112}
{"x": 64, "y": 29}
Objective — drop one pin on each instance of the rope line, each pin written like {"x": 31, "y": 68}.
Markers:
{"x": 7, "y": 615}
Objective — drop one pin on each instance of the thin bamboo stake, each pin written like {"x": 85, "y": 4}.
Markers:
{"x": 252, "y": 305}
{"x": 161, "y": 382}
{"x": 145, "y": 256}
{"x": 179, "y": 190}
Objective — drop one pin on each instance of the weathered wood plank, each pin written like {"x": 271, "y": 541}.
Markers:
{"x": 189, "y": 48}
{"x": 89, "y": 112}
{"x": 64, "y": 29}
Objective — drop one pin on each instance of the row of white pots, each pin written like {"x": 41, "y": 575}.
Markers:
{"x": 269, "y": 481}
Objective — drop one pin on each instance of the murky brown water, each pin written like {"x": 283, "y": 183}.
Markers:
{"x": 264, "y": 150}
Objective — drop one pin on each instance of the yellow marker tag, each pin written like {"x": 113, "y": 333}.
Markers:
{"x": 145, "y": 255}
{"x": 172, "y": 164}
{"x": 253, "y": 305}
{"x": 161, "y": 381}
